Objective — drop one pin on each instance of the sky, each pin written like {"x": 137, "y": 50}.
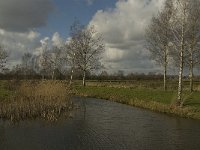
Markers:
{"x": 27, "y": 24}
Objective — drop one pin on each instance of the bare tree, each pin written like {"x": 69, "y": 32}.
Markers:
{"x": 44, "y": 61}
{"x": 26, "y": 63}
{"x": 158, "y": 37}
{"x": 3, "y": 58}
{"x": 179, "y": 30}
{"x": 56, "y": 60}
{"x": 178, "y": 24}
{"x": 34, "y": 65}
{"x": 72, "y": 45}
{"x": 85, "y": 48}
{"x": 193, "y": 39}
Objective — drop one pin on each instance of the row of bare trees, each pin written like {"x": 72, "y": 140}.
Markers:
{"x": 174, "y": 35}
{"x": 82, "y": 51}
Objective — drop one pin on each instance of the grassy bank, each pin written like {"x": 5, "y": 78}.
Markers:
{"x": 21, "y": 100}
{"x": 50, "y": 100}
{"x": 153, "y": 99}
{"x": 141, "y": 84}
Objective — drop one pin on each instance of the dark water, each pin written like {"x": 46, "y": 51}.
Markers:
{"x": 104, "y": 125}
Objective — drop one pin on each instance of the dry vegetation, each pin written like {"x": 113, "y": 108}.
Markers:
{"x": 36, "y": 99}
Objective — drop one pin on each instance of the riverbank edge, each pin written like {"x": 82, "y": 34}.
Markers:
{"x": 185, "y": 112}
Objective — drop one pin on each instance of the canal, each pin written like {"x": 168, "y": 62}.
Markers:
{"x": 100, "y": 124}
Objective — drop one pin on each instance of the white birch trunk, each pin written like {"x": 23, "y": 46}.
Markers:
{"x": 84, "y": 72}
{"x": 179, "y": 100}
{"x": 71, "y": 77}
{"x": 191, "y": 71}
{"x": 180, "y": 81}
{"x": 165, "y": 70}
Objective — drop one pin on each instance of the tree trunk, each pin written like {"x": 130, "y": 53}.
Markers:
{"x": 191, "y": 71}
{"x": 52, "y": 76}
{"x": 71, "y": 77}
{"x": 165, "y": 70}
{"x": 180, "y": 82}
{"x": 179, "y": 100}
{"x": 165, "y": 77}
{"x": 72, "y": 70}
{"x": 84, "y": 72}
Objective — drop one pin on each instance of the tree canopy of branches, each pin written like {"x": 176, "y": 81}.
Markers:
{"x": 44, "y": 62}
{"x": 51, "y": 61}
{"x": 193, "y": 39}
{"x": 27, "y": 63}
{"x": 57, "y": 60}
{"x": 157, "y": 37}
{"x": 85, "y": 48}
{"x": 3, "y": 58}
{"x": 177, "y": 26}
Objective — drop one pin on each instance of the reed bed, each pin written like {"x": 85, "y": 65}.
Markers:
{"x": 48, "y": 100}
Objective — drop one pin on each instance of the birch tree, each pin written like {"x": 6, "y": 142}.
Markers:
{"x": 193, "y": 39}
{"x": 72, "y": 45}
{"x": 158, "y": 37}
{"x": 85, "y": 48}
{"x": 179, "y": 29}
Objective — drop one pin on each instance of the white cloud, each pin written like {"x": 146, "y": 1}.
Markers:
{"x": 57, "y": 40}
{"x": 49, "y": 42}
{"x": 33, "y": 35}
{"x": 44, "y": 41}
{"x": 18, "y": 43}
{"x": 123, "y": 29}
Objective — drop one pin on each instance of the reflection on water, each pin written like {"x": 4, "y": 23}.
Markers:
{"x": 101, "y": 124}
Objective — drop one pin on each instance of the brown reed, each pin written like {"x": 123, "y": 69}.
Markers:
{"x": 48, "y": 100}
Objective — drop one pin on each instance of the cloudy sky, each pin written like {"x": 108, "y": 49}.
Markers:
{"x": 26, "y": 24}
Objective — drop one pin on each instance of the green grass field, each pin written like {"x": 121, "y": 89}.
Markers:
{"x": 150, "y": 97}
{"x": 125, "y": 94}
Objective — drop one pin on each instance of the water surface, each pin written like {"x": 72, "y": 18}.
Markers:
{"x": 100, "y": 124}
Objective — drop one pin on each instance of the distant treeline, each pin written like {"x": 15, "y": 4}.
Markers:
{"x": 20, "y": 75}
